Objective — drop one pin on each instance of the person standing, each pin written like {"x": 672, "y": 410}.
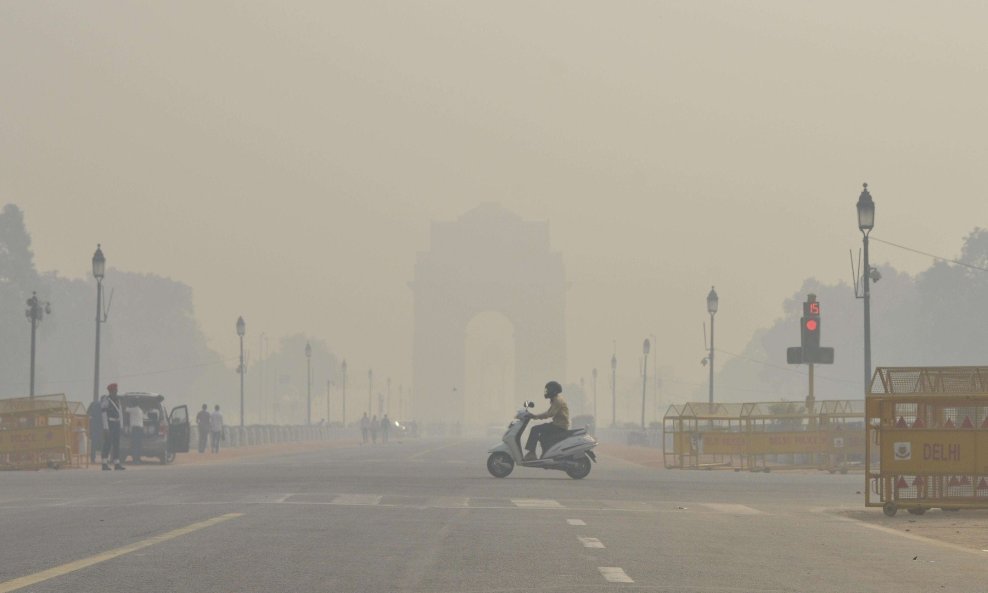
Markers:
{"x": 135, "y": 428}
{"x": 385, "y": 427}
{"x": 374, "y": 425}
{"x": 203, "y": 427}
{"x": 111, "y": 417}
{"x": 364, "y": 427}
{"x": 216, "y": 428}
{"x": 95, "y": 429}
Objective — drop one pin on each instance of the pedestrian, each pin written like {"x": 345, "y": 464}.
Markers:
{"x": 135, "y": 428}
{"x": 364, "y": 427}
{"x": 95, "y": 430}
{"x": 385, "y": 427}
{"x": 374, "y": 425}
{"x": 216, "y": 428}
{"x": 112, "y": 416}
{"x": 202, "y": 426}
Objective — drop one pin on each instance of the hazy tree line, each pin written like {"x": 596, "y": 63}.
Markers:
{"x": 151, "y": 341}
{"x": 935, "y": 318}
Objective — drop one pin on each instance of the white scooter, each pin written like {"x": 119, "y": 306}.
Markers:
{"x": 572, "y": 454}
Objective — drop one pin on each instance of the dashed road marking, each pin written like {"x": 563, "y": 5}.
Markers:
{"x": 357, "y": 499}
{"x": 591, "y": 542}
{"x": 536, "y": 503}
{"x": 283, "y": 498}
{"x": 576, "y": 521}
{"x": 734, "y": 509}
{"x": 614, "y": 574}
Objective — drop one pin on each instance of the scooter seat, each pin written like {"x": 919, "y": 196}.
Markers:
{"x": 576, "y": 431}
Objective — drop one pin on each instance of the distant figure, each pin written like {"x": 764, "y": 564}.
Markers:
{"x": 364, "y": 427}
{"x": 216, "y": 428}
{"x": 374, "y": 425}
{"x": 203, "y": 424}
{"x": 385, "y": 427}
{"x": 135, "y": 428}
{"x": 95, "y": 430}
{"x": 112, "y": 416}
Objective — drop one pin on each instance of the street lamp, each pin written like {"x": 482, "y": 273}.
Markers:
{"x": 308, "y": 379}
{"x": 866, "y": 222}
{"x": 614, "y": 389}
{"x": 344, "y": 393}
{"x": 370, "y": 390}
{"x": 36, "y": 311}
{"x": 712, "y": 301}
{"x": 99, "y": 270}
{"x": 646, "y": 347}
{"x": 594, "y": 373}
{"x": 241, "y": 330}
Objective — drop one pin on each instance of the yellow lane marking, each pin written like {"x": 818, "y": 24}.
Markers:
{"x": 38, "y": 577}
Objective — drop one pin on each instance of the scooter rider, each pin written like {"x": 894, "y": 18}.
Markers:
{"x": 558, "y": 411}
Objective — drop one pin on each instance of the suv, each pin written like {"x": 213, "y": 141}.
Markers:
{"x": 164, "y": 434}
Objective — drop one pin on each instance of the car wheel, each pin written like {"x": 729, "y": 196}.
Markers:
{"x": 167, "y": 458}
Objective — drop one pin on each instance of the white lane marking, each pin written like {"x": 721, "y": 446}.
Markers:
{"x": 536, "y": 503}
{"x": 57, "y": 571}
{"x": 284, "y": 498}
{"x": 734, "y": 509}
{"x": 614, "y": 574}
{"x": 576, "y": 521}
{"x": 448, "y": 502}
{"x": 590, "y": 542}
{"x": 357, "y": 499}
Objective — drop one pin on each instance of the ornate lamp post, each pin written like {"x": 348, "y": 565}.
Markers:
{"x": 344, "y": 393}
{"x": 712, "y": 302}
{"x": 36, "y": 311}
{"x": 646, "y": 347}
{"x": 594, "y": 373}
{"x": 308, "y": 384}
{"x": 614, "y": 389}
{"x": 866, "y": 222}
{"x": 99, "y": 270}
{"x": 241, "y": 330}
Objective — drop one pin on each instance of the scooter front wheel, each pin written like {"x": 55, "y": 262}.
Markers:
{"x": 500, "y": 464}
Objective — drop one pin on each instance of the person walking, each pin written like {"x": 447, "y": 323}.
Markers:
{"x": 374, "y": 425}
{"x": 216, "y": 428}
{"x": 95, "y": 429}
{"x": 364, "y": 427}
{"x": 203, "y": 427}
{"x": 112, "y": 416}
{"x": 385, "y": 427}
{"x": 135, "y": 428}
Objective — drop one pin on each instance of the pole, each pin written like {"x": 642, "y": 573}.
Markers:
{"x": 308, "y": 391}
{"x": 370, "y": 391}
{"x": 99, "y": 311}
{"x": 595, "y": 400}
{"x": 33, "y": 312}
{"x": 344, "y": 396}
{"x": 711, "y": 398}
{"x": 613, "y": 392}
{"x": 644, "y": 381}
{"x": 867, "y": 317}
{"x": 241, "y": 381}
{"x": 329, "y": 410}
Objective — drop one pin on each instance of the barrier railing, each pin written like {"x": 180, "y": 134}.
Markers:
{"x": 42, "y": 431}
{"x": 929, "y": 428}
{"x": 761, "y": 436}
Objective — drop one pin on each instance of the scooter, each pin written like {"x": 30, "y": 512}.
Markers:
{"x": 572, "y": 454}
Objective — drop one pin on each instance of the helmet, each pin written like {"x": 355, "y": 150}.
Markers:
{"x": 552, "y": 389}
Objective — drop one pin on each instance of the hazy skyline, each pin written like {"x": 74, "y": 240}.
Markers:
{"x": 286, "y": 162}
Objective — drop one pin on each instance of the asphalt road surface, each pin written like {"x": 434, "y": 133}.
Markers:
{"x": 425, "y": 516}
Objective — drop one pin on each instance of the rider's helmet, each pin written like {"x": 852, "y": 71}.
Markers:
{"x": 552, "y": 389}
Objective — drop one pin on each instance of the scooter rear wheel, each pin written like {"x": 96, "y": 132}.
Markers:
{"x": 581, "y": 470}
{"x": 500, "y": 464}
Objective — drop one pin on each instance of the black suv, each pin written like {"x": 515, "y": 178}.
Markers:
{"x": 164, "y": 434}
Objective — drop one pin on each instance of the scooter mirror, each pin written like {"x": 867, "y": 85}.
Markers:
{"x": 530, "y": 404}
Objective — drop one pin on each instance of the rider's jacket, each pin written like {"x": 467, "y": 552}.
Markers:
{"x": 558, "y": 411}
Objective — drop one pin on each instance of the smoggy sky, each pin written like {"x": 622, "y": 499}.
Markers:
{"x": 286, "y": 159}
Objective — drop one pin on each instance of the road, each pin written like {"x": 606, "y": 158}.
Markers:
{"x": 424, "y": 516}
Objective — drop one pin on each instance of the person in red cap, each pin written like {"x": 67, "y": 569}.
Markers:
{"x": 112, "y": 416}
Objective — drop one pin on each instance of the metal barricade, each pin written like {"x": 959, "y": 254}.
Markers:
{"x": 41, "y": 431}
{"x": 928, "y": 430}
{"x": 701, "y": 435}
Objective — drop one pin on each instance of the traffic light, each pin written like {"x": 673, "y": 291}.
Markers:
{"x": 810, "y": 334}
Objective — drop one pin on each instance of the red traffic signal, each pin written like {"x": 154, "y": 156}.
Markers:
{"x": 811, "y": 325}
